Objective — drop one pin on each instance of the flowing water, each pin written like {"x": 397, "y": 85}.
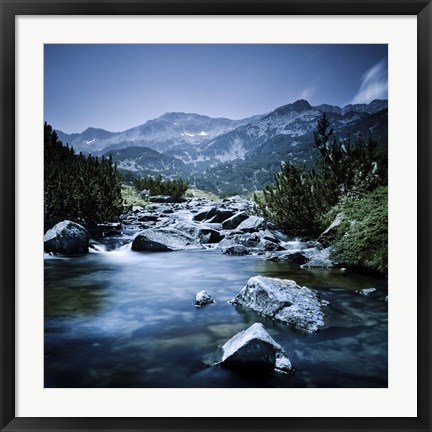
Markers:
{"x": 118, "y": 318}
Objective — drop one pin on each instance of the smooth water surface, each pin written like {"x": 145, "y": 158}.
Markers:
{"x": 118, "y": 318}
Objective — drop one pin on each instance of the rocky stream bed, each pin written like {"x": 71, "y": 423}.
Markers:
{"x": 206, "y": 294}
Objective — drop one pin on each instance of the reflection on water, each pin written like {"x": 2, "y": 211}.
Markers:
{"x": 118, "y": 318}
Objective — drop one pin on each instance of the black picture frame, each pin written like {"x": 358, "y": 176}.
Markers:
{"x": 10, "y": 8}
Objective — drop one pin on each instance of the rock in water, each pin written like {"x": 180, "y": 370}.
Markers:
{"x": 367, "y": 291}
{"x": 255, "y": 348}
{"x": 236, "y": 250}
{"x": 163, "y": 240}
{"x": 319, "y": 258}
{"x": 283, "y": 300}
{"x": 67, "y": 238}
{"x": 203, "y": 298}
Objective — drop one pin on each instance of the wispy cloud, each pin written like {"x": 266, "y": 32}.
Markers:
{"x": 374, "y": 84}
{"x": 307, "y": 93}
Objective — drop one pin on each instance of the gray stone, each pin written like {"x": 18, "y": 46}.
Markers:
{"x": 255, "y": 348}
{"x": 221, "y": 215}
{"x": 234, "y": 221}
{"x": 251, "y": 224}
{"x": 293, "y": 257}
{"x": 318, "y": 258}
{"x": 283, "y": 300}
{"x": 367, "y": 291}
{"x": 205, "y": 214}
{"x": 208, "y": 235}
{"x": 67, "y": 238}
{"x": 163, "y": 240}
{"x": 203, "y": 298}
{"x": 236, "y": 250}
{"x": 163, "y": 199}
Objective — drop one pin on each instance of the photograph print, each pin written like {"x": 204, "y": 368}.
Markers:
{"x": 215, "y": 215}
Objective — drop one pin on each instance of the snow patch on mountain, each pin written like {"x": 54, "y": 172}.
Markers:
{"x": 236, "y": 151}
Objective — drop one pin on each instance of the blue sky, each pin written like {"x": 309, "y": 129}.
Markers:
{"x": 116, "y": 87}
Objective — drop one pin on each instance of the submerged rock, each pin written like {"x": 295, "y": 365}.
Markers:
{"x": 203, "y": 298}
{"x": 283, "y": 300}
{"x": 67, "y": 238}
{"x": 255, "y": 348}
{"x": 163, "y": 240}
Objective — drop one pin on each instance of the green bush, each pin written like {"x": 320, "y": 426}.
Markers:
{"x": 157, "y": 186}
{"x": 362, "y": 237}
{"x": 297, "y": 199}
{"x": 299, "y": 196}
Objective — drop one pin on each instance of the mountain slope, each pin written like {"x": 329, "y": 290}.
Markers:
{"x": 224, "y": 155}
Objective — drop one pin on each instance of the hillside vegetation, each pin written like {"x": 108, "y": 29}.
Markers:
{"x": 350, "y": 179}
{"x": 84, "y": 189}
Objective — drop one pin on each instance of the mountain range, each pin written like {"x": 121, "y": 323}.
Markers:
{"x": 228, "y": 156}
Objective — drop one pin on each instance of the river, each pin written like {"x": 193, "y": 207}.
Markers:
{"x": 119, "y": 318}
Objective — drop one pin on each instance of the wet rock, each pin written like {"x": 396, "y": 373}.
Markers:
{"x": 204, "y": 233}
{"x": 267, "y": 245}
{"x": 247, "y": 240}
{"x": 252, "y": 224}
{"x": 234, "y": 221}
{"x": 367, "y": 291}
{"x": 283, "y": 300}
{"x": 203, "y": 298}
{"x": 163, "y": 240}
{"x": 147, "y": 217}
{"x": 67, "y": 238}
{"x": 221, "y": 215}
{"x": 208, "y": 235}
{"x": 163, "y": 199}
{"x": 205, "y": 214}
{"x": 236, "y": 250}
{"x": 318, "y": 258}
{"x": 295, "y": 258}
{"x": 255, "y": 349}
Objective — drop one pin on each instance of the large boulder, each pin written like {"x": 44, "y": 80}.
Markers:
{"x": 205, "y": 214}
{"x": 255, "y": 348}
{"x": 318, "y": 258}
{"x": 236, "y": 250}
{"x": 67, "y": 238}
{"x": 208, "y": 235}
{"x": 292, "y": 257}
{"x": 163, "y": 240}
{"x": 252, "y": 224}
{"x": 283, "y": 300}
{"x": 248, "y": 240}
{"x": 221, "y": 215}
{"x": 203, "y": 233}
{"x": 234, "y": 221}
{"x": 163, "y": 199}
